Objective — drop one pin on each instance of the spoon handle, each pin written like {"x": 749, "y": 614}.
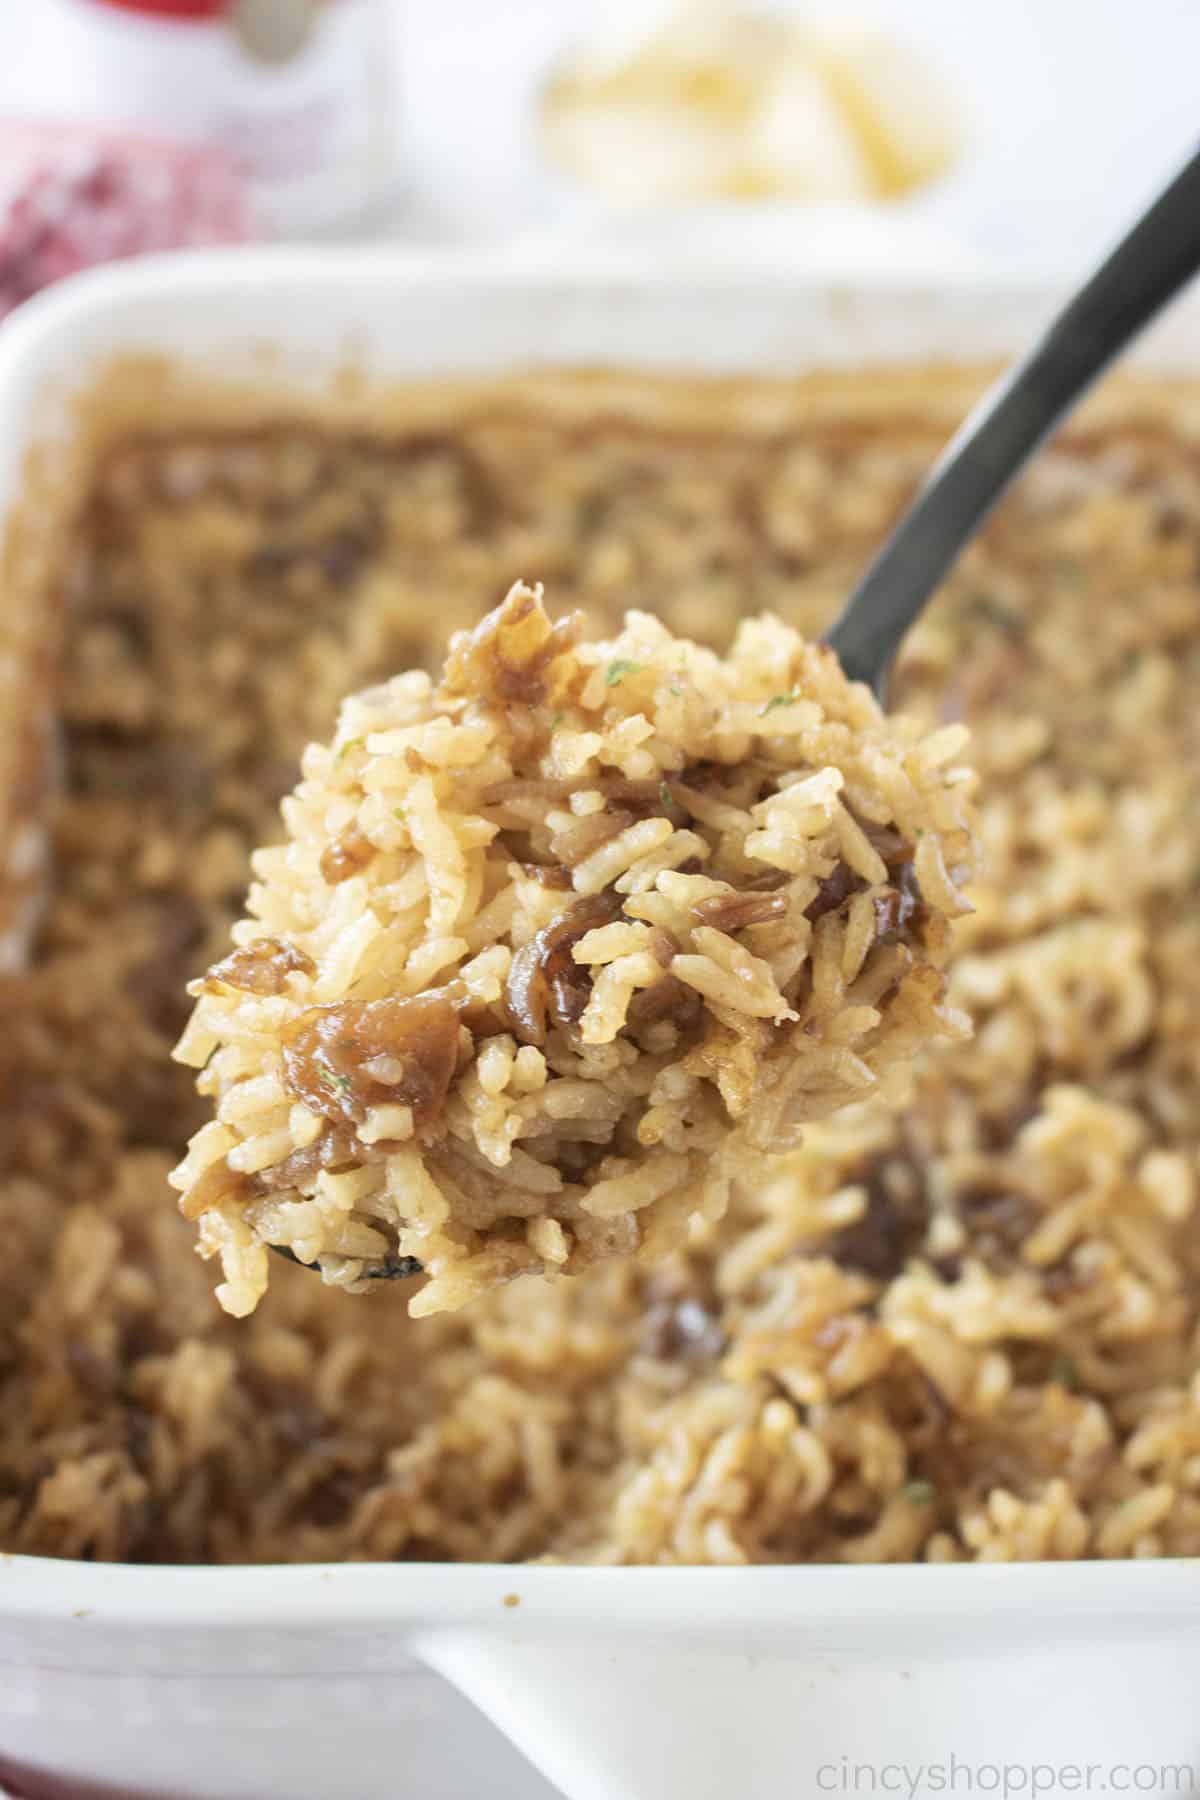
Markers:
{"x": 1150, "y": 264}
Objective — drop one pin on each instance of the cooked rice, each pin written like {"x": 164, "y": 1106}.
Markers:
{"x": 966, "y": 1329}
{"x": 558, "y": 949}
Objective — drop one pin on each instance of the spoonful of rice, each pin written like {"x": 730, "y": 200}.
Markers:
{"x": 559, "y": 947}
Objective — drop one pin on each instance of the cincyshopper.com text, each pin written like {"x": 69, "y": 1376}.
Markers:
{"x": 915, "y": 1781}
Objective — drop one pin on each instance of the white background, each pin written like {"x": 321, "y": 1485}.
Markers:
{"x": 1077, "y": 109}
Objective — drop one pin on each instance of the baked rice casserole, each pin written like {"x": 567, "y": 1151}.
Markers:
{"x": 958, "y": 1324}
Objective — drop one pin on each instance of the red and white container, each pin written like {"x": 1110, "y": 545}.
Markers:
{"x": 297, "y": 94}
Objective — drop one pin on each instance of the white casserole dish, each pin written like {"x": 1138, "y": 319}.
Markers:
{"x": 618, "y": 1684}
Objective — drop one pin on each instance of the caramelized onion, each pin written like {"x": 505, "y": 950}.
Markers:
{"x": 261, "y": 967}
{"x": 327, "y": 1049}
{"x": 545, "y": 980}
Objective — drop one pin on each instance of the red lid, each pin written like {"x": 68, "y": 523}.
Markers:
{"x": 173, "y": 9}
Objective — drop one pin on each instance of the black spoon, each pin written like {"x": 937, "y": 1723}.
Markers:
{"x": 390, "y": 1268}
{"x": 1154, "y": 260}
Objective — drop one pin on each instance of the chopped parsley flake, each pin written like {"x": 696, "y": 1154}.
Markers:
{"x": 617, "y": 671}
{"x": 331, "y": 1079}
{"x": 918, "y": 1493}
{"x": 778, "y": 700}
{"x": 1063, "y": 1370}
{"x": 665, "y": 795}
{"x": 349, "y": 745}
